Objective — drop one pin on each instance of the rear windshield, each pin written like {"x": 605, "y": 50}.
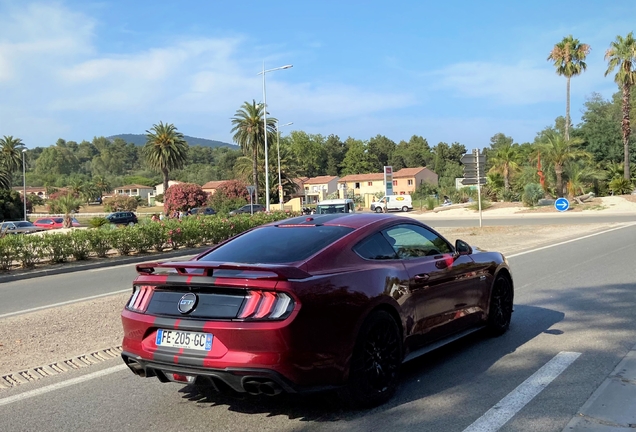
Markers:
{"x": 274, "y": 245}
{"x": 331, "y": 208}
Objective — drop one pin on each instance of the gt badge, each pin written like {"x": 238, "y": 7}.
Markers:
{"x": 187, "y": 303}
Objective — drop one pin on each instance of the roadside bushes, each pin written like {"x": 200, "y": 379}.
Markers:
{"x": 80, "y": 244}
{"x": 532, "y": 193}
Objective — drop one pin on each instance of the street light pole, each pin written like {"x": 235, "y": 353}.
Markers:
{"x": 280, "y": 182}
{"x": 24, "y": 197}
{"x": 265, "y": 129}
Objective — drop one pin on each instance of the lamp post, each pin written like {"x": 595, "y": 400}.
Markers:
{"x": 263, "y": 72}
{"x": 24, "y": 198}
{"x": 280, "y": 182}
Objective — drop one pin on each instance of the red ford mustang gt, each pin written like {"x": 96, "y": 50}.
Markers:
{"x": 313, "y": 302}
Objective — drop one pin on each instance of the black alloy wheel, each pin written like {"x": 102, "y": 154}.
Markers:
{"x": 501, "y": 305}
{"x": 375, "y": 363}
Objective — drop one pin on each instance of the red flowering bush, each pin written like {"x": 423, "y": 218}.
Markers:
{"x": 182, "y": 197}
{"x": 231, "y": 195}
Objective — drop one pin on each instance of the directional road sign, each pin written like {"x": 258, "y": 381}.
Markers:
{"x": 561, "y": 204}
{"x": 250, "y": 190}
{"x": 474, "y": 168}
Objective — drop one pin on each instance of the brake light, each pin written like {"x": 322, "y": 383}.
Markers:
{"x": 140, "y": 298}
{"x": 266, "y": 305}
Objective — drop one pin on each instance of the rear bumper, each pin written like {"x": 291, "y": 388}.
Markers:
{"x": 242, "y": 380}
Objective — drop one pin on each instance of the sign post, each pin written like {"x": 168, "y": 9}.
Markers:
{"x": 474, "y": 173}
{"x": 250, "y": 190}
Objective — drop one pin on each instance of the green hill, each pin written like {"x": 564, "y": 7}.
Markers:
{"x": 140, "y": 139}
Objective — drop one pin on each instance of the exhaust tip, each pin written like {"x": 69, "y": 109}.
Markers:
{"x": 136, "y": 368}
{"x": 252, "y": 387}
{"x": 270, "y": 388}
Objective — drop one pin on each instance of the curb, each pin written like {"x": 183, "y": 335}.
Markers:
{"x": 103, "y": 262}
{"x": 611, "y": 406}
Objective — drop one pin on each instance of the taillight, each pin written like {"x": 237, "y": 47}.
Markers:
{"x": 140, "y": 298}
{"x": 266, "y": 305}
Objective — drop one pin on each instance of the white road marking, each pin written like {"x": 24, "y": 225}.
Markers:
{"x": 510, "y": 405}
{"x": 64, "y": 303}
{"x": 63, "y": 384}
{"x": 569, "y": 241}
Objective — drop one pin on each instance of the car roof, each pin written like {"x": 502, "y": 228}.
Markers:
{"x": 351, "y": 220}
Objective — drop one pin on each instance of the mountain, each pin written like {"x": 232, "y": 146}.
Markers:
{"x": 140, "y": 139}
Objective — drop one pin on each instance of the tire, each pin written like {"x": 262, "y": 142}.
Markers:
{"x": 378, "y": 209}
{"x": 131, "y": 223}
{"x": 405, "y": 209}
{"x": 375, "y": 363}
{"x": 501, "y": 305}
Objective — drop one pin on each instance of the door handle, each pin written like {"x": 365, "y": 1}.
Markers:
{"x": 422, "y": 277}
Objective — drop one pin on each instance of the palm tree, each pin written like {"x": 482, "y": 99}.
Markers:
{"x": 165, "y": 149}
{"x": 622, "y": 55}
{"x": 68, "y": 204}
{"x": 11, "y": 154}
{"x": 249, "y": 134}
{"x": 101, "y": 184}
{"x": 557, "y": 150}
{"x": 5, "y": 178}
{"x": 505, "y": 161}
{"x": 569, "y": 60}
{"x": 581, "y": 175}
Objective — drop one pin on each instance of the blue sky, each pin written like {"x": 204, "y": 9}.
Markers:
{"x": 446, "y": 70}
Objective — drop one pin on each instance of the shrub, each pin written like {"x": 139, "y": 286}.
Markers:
{"x": 183, "y": 196}
{"x": 621, "y": 186}
{"x": 120, "y": 203}
{"x": 484, "y": 204}
{"x": 58, "y": 247}
{"x": 29, "y": 250}
{"x": 229, "y": 196}
{"x": 99, "y": 242}
{"x": 430, "y": 203}
{"x": 80, "y": 243}
{"x": 511, "y": 196}
{"x": 7, "y": 251}
{"x": 98, "y": 222}
{"x": 121, "y": 240}
{"x": 532, "y": 193}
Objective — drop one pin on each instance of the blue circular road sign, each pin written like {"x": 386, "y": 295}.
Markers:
{"x": 562, "y": 204}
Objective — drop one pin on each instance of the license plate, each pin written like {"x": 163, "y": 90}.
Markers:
{"x": 184, "y": 339}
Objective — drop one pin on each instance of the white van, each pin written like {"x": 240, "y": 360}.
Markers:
{"x": 335, "y": 206}
{"x": 393, "y": 202}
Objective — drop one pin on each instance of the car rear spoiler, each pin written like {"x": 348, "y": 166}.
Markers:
{"x": 181, "y": 268}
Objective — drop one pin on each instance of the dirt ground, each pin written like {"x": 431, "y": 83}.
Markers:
{"x": 51, "y": 335}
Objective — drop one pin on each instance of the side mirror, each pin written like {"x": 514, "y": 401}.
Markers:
{"x": 462, "y": 248}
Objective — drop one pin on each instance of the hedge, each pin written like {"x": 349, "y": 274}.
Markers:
{"x": 81, "y": 244}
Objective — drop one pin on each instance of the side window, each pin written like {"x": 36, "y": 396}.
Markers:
{"x": 375, "y": 247}
{"x": 413, "y": 241}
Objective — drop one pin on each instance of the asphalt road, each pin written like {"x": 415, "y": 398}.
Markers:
{"x": 529, "y": 219}
{"x": 573, "y": 298}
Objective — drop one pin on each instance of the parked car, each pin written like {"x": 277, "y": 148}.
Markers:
{"x": 205, "y": 211}
{"x": 319, "y": 302}
{"x": 54, "y": 223}
{"x": 246, "y": 209}
{"x": 393, "y": 202}
{"x": 18, "y": 227}
{"x": 122, "y": 218}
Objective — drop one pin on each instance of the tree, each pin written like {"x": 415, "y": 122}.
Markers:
{"x": 505, "y": 160}
{"x": 569, "y": 60}
{"x": 230, "y": 195}
{"x": 357, "y": 160}
{"x": 557, "y": 151}
{"x": 11, "y": 153}
{"x": 101, "y": 184}
{"x": 621, "y": 55}
{"x": 11, "y": 207}
{"x": 165, "y": 150}
{"x": 249, "y": 134}
{"x": 183, "y": 197}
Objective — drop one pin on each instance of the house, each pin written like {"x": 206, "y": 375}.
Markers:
{"x": 406, "y": 180}
{"x": 32, "y": 190}
{"x": 134, "y": 190}
{"x": 318, "y": 188}
{"x": 361, "y": 184}
{"x": 211, "y": 186}
{"x": 158, "y": 190}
